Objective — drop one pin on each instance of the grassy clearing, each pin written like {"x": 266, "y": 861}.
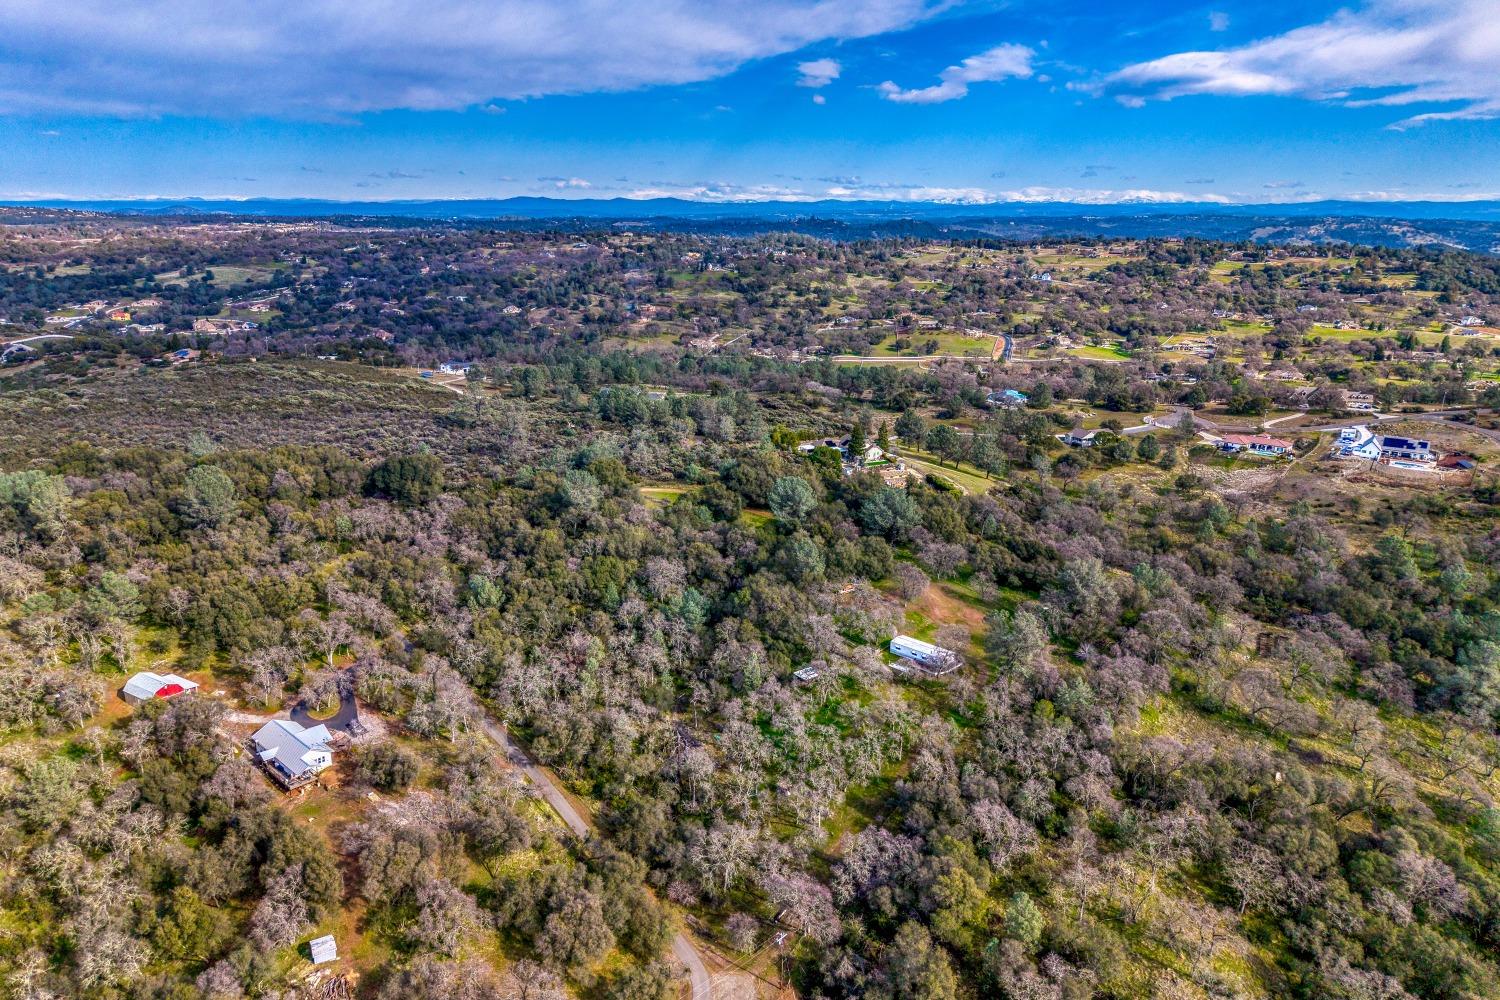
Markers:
{"x": 1111, "y": 353}
{"x": 966, "y": 476}
{"x": 948, "y": 343}
{"x": 752, "y": 518}
{"x": 224, "y": 276}
{"x": 1242, "y": 328}
{"x": 863, "y": 805}
{"x": 661, "y": 496}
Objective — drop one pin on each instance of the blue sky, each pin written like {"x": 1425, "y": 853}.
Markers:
{"x": 801, "y": 99}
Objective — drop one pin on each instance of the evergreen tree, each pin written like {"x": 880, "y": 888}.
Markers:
{"x": 911, "y": 428}
{"x": 857, "y": 442}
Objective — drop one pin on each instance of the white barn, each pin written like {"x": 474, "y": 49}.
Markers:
{"x": 146, "y": 685}
{"x": 930, "y": 658}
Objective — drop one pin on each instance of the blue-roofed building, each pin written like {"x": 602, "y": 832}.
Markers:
{"x": 1008, "y": 399}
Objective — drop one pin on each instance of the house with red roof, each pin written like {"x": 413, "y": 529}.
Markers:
{"x": 1255, "y": 444}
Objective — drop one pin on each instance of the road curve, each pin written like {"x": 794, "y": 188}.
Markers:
{"x": 700, "y": 983}
{"x": 39, "y": 336}
{"x": 685, "y": 951}
{"x": 1447, "y": 417}
{"x": 341, "y": 720}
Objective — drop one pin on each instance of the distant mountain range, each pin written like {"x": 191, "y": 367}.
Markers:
{"x": 1471, "y": 225}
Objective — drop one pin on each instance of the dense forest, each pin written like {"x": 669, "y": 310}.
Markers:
{"x": 1221, "y": 729}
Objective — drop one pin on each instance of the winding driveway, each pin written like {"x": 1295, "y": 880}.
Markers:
{"x": 39, "y": 336}
{"x": 341, "y": 721}
{"x": 1448, "y": 417}
{"x": 682, "y": 947}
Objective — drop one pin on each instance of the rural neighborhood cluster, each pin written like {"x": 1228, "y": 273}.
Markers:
{"x": 399, "y": 610}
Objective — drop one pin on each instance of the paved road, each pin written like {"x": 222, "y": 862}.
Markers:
{"x": 339, "y": 721}
{"x": 865, "y": 359}
{"x": 1432, "y": 416}
{"x": 682, "y": 947}
{"x": 543, "y": 781}
{"x": 40, "y": 336}
{"x": 1372, "y": 420}
{"x": 700, "y": 983}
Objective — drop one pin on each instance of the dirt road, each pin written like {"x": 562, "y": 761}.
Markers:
{"x": 701, "y": 984}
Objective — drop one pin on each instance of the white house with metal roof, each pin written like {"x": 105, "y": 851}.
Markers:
{"x": 930, "y": 658}
{"x": 292, "y": 754}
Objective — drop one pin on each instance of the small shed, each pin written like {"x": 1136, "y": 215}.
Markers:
{"x": 324, "y": 949}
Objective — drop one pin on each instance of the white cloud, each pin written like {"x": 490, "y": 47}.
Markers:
{"x": 854, "y": 189}
{"x": 720, "y": 191}
{"x": 995, "y": 64}
{"x": 1419, "y": 195}
{"x": 819, "y": 99}
{"x": 1096, "y": 196}
{"x": 818, "y": 73}
{"x": 1388, "y": 53}
{"x": 328, "y": 58}
{"x": 1218, "y": 21}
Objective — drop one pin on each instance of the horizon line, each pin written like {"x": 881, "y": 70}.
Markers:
{"x": 49, "y": 200}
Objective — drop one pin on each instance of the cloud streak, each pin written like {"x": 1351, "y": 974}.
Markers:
{"x": 818, "y": 72}
{"x": 855, "y": 189}
{"x": 328, "y": 58}
{"x": 1391, "y": 53}
{"x": 998, "y": 63}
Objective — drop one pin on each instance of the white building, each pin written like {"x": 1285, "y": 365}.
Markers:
{"x": 324, "y": 949}
{"x": 293, "y": 755}
{"x": 1255, "y": 444}
{"x": 932, "y": 659}
{"x": 1406, "y": 448}
{"x": 1358, "y": 442}
{"x": 145, "y": 685}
